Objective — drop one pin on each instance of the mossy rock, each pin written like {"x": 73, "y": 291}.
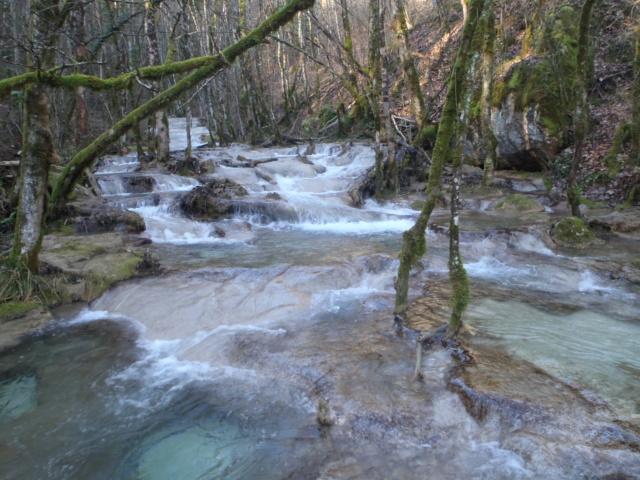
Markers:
{"x": 12, "y": 310}
{"x": 573, "y": 232}
{"x": 518, "y": 203}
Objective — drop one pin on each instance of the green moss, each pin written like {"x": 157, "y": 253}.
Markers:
{"x": 461, "y": 290}
{"x": 203, "y": 68}
{"x": 11, "y": 310}
{"x": 571, "y": 231}
{"x": 635, "y": 262}
{"x": 547, "y": 78}
{"x": 621, "y": 137}
{"x": 81, "y": 249}
{"x": 518, "y": 203}
{"x": 98, "y": 283}
{"x": 592, "y": 203}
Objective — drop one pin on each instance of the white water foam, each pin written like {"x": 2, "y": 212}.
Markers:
{"x": 173, "y": 183}
{"x": 163, "y": 226}
{"x": 359, "y": 227}
{"x": 590, "y": 282}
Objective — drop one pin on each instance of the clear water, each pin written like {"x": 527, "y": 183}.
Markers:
{"x": 215, "y": 370}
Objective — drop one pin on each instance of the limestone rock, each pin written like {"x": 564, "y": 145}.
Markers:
{"x": 97, "y": 217}
{"x": 15, "y": 324}
{"x": 518, "y": 203}
{"x": 211, "y": 201}
{"x": 622, "y": 221}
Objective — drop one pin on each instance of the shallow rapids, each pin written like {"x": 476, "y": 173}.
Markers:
{"x": 269, "y": 352}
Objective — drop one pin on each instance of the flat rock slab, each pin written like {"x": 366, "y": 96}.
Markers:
{"x": 623, "y": 221}
{"x": 15, "y": 328}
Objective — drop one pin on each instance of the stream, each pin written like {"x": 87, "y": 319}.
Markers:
{"x": 216, "y": 368}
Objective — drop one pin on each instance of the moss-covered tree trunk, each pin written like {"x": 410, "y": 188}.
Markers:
{"x": 375, "y": 91}
{"x": 490, "y": 142}
{"x": 391, "y": 181}
{"x": 457, "y": 272}
{"x": 47, "y": 16}
{"x": 401, "y": 27}
{"x": 205, "y": 68}
{"x": 581, "y": 114}
{"x": 37, "y": 155}
{"x": 414, "y": 242}
{"x": 635, "y": 97}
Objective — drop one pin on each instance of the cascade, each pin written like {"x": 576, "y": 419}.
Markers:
{"x": 218, "y": 368}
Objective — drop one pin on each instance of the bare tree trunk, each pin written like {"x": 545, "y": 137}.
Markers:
{"x": 161, "y": 134}
{"x": 187, "y": 152}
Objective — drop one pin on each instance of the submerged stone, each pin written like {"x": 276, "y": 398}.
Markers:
{"x": 518, "y": 203}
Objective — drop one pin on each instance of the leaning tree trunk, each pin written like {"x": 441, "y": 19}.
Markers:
{"x": 581, "y": 115}
{"x": 37, "y": 155}
{"x": 414, "y": 242}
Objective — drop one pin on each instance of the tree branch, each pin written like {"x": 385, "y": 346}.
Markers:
{"x": 211, "y": 65}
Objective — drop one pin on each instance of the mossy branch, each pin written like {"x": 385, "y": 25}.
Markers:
{"x": 52, "y": 78}
{"x": 86, "y": 157}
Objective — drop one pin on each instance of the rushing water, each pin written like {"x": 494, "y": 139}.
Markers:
{"x": 216, "y": 369}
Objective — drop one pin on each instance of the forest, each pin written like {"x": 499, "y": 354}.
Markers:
{"x": 320, "y": 238}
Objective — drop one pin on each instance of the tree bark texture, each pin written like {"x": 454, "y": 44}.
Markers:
{"x": 417, "y": 105}
{"x": 37, "y": 155}
{"x": 490, "y": 142}
{"x": 414, "y": 242}
{"x": 581, "y": 114}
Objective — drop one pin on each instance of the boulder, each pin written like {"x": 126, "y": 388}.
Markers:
{"x": 203, "y": 204}
{"x": 573, "y": 232}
